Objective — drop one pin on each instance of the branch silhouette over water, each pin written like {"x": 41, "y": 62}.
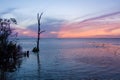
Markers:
{"x": 10, "y": 52}
{"x": 36, "y": 49}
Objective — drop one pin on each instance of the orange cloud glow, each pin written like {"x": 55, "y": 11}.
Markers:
{"x": 25, "y": 32}
{"x": 95, "y": 28}
{"x": 106, "y": 26}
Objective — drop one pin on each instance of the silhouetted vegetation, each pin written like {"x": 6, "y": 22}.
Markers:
{"x": 10, "y": 52}
{"x": 35, "y": 49}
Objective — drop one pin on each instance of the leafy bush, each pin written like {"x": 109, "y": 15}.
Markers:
{"x": 10, "y": 52}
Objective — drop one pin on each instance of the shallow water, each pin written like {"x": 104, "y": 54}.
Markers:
{"x": 70, "y": 59}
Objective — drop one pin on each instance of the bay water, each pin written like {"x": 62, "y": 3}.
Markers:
{"x": 70, "y": 59}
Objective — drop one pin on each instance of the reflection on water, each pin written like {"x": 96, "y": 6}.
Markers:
{"x": 38, "y": 62}
{"x": 71, "y": 59}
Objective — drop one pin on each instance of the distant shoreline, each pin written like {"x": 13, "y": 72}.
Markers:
{"x": 61, "y": 38}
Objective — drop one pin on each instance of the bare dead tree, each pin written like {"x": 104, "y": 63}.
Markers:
{"x": 39, "y": 19}
{"x": 36, "y": 49}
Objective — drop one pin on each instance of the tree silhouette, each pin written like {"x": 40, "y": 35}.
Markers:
{"x": 36, "y": 49}
{"x": 10, "y": 52}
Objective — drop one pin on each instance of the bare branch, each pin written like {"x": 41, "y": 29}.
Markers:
{"x": 42, "y": 31}
{"x": 13, "y": 20}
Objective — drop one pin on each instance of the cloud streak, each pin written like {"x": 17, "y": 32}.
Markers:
{"x": 102, "y": 16}
{"x": 50, "y": 25}
{"x": 7, "y": 11}
{"x": 102, "y": 26}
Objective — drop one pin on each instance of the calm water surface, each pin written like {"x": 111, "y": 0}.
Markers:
{"x": 70, "y": 59}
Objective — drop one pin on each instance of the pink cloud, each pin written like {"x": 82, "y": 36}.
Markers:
{"x": 25, "y": 32}
{"x": 105, "y": 26}
{"x": 102, "y": 26}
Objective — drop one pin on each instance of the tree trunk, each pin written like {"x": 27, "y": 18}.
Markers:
{"x": 39, "y": 18}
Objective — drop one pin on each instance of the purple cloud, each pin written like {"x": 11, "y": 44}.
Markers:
{"x": 49, "y": 25}
{"x": 102, "y": 16}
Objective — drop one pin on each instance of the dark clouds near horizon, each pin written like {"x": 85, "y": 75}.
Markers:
{"x": 49, "y": 25}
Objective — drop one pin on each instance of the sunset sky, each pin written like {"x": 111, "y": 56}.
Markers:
{"x": 65, "y": 18}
